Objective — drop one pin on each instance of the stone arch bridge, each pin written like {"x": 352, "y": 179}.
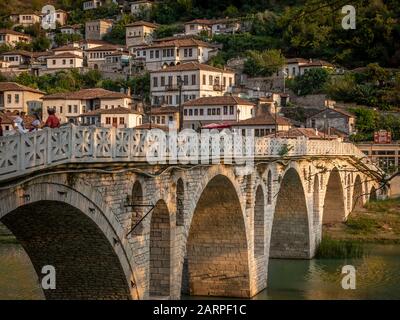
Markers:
{"x": 85, "y": 200}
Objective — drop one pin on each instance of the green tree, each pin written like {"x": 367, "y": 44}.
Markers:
{"x": 264, "y": 63}
{"x": 311, "y": 82}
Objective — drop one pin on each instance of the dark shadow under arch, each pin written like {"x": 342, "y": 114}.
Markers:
{"x": 290, "y": 229}
{"x": 217, "y": 251}
{"x": 58, "y": 234}
{"x": 334, "y": 203}
{"x": 160, "y": 251}
{"x": 357, "y": 194}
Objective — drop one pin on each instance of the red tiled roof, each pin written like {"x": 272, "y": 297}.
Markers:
{"x": 218, "y": 101}
{"x": 180, "y": 42}
{"x": 303, "y": 132}
{"x": 94, "y": 93}
{"x": 66, "y": 48}
{"x": 143, "y": 23}
{"x": 105, "y": 47}
{"x": 18, "y": 52}
{"x": 147, "y": 126}
{"x": 8, "y": 31}
{"x": 164, "y": 110}
{"x": 191, "y": 66}
{"x": 118, "y": 110}
{"x": 13, "y": 86}
{"x": 64, "y": 55}
{"x": 266, "y": 119}
{"x": 341, "y": 111}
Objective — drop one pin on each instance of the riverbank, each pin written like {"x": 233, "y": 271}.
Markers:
{"x": 6, "y": 237}
{"x": 378, "y": 222}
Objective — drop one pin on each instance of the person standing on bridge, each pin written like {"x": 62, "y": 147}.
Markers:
{"x": 52, "y": 121}
{"x": 1, "y": 128}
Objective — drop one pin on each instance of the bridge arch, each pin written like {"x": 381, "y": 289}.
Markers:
{"x": 217, "y": 248}
{"x": 334, "y": 202}
{"x": 59, "y": 226}
{"x": 160, "y": 251}
{"x": 357, "y": 193}
{"x": 259, "y": 222}
{"x": 290, "y": 235}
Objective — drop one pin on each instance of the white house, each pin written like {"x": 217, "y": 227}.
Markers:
{"x": 140, "y": 6}
{"x": 96, "y": 56}
{"x": 64, "y": 61}
{"x": 206, "y": 110}
{"x": 72, "y": 29}
{"x": 70, "y": 105}
{"x": 197, "y": 80}
{"x": 176, "y": 51}
{"x": 118, "y": 117}
{"x": 139, "y": 33}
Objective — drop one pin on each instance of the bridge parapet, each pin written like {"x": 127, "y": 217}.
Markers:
{"x": 21, "y": 154}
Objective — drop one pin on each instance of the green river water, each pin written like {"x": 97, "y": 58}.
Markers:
{"x": 378, "y": 276}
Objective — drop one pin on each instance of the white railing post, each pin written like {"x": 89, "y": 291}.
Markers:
{"x": 48, "y": 149}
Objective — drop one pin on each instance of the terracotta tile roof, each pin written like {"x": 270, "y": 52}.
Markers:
{"x": 181, "y": 42}
{"x": 143, "y": 23}
{"x": 18, "y": 52}
{"x": 200, "y": 21}
{"x": 218, "y": 101}
{"x": 64, "y": 55}
{"x": 296, "y": 60}
{"x": 84, "y": 94}
{"x": 266, "y": 119}
{"x": 8, "y": 31}
{"x": 317, "y": 63}
{"x": 105, "y": 47}
{"x": 164, "y": 110}
{"x": 118, "y": 110}
{"x": 147, "y": 126}
{"x": 303, "y": 132}
{"x": 191, "y": 66}
{"x": 13, "y": 86}
{"x": 91, "y": 41}
{"x": 67, "y": 48}
{"x": 341, "y": 111}
{"x": 8, "y": 118}
{"x": 73, "y": 26}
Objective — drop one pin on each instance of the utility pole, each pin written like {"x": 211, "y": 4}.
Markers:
{"x": 180, "y": 84}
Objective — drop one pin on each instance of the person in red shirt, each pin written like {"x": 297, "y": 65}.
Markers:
{"x": 52, "y": 121}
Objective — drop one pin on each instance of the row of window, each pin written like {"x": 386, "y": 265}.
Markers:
{"x": 210, "y": 111}
{"x": 115, "y": 120}
{"x": 169, "y": 99}
{"x": 64, "y": 61}
{"x": 72, "y": 109}
{"x": 99, "y": 55}
{"x": 9, "y": 98}
{"x": 93, "y": 28}
{"x": 161, "y": 119}
{"x": 212, "y": 81}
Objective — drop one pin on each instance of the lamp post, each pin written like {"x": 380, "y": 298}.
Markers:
{"x": 180, "y": 84}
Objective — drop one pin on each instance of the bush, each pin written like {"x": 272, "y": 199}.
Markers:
{"x": 311, "y": 82}
{"x": 339, "y": 249}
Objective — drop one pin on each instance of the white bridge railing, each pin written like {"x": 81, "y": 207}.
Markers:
{"x": 21, "y": 154}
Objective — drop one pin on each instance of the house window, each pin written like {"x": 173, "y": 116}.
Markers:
{"x": 151, "y": 54}
{"x": 155, "y": 82}
{"x": 121, "y": 120}
{"x": 209, "y": 111}
{"x": 210, "y": 80}
{"x": 162, "y": 81}
{"x": 213, "y": 111}
{"x": 185, "y": 112}
{"x": 230, "y": 81}
{"x": 190, "y": 112}
{"x": 185, "y": 53}
{"x": 190, "y": 52}
{"x": 157, "y": 54}
{"x": 64, "y": 62}
{"x": 185, "y": 80}
{"x": 69, "y": 109}
{"x": 9, "y": 98}
{"x": 75, "y": 109}
{"x": 201, "y": 112}
{"x": 54, "y": 62}
{"x": 204, "y": 80}
{"x": 225, "y": 110}
{"x": 218, "y": 111}
{"x": 231, "y": 110}
{"x": 71, "y": 61}
{"x": 108, "y": 120}
{"x": 196, "y": 112}
{"x": 193, "y": 79}
{"x": 17, "y": 98}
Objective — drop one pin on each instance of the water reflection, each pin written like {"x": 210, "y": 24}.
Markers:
{"x": 378, "y": 276}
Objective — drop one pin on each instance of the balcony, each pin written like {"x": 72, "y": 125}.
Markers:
{"x": 218, "y": 87}
{"x": 171, "y": 87}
